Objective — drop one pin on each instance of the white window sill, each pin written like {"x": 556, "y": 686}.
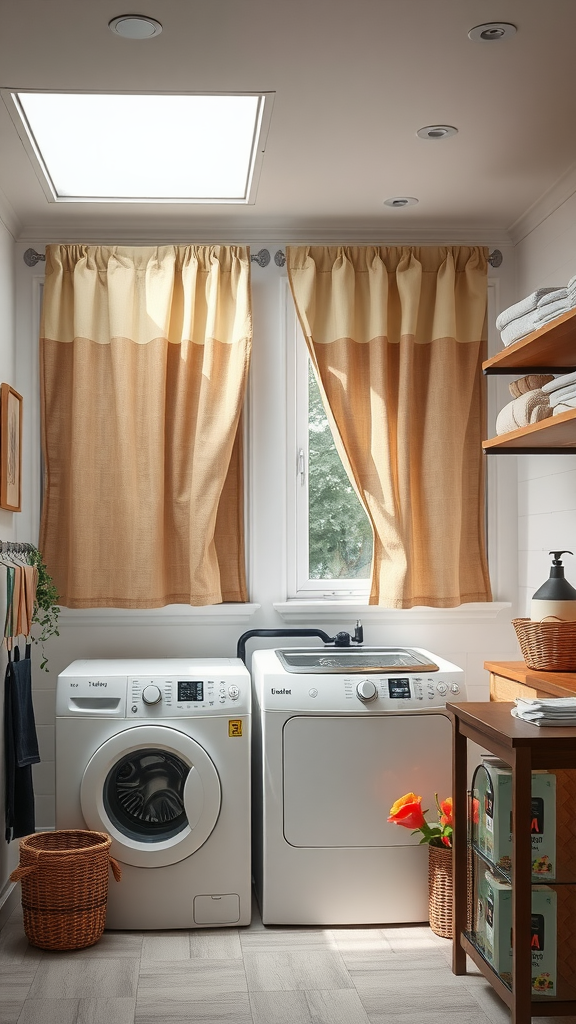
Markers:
{"x": 171, "y": 615}
{"x": 322, "y": 610}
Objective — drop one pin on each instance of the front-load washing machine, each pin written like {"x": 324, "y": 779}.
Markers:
{"x": 157, "y": 754}
{"x": 339, "y": 736}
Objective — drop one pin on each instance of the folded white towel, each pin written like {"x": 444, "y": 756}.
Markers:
{"x": 531, "y": 407}
{"x": 553, "y": 309}
{"x": 523, "y": 306}
{"x": 558, "y": 293}
{"x": 556, "y": 711}
{"x": 562, "y": 395}
{"x": 565, "y": 380}
{"x": 519, "y": 328}
{"x": 564, "y": 407}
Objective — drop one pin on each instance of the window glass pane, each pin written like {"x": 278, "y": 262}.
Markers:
{"x": 340, "y": 535}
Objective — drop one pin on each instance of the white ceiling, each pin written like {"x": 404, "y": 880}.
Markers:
{"x": 353, "y": 81}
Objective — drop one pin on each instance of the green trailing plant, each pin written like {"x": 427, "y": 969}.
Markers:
{"x": 46, "y": 609}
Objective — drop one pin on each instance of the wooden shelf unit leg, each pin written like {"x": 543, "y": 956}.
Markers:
{"x": 521, "y": 1010}
{"x": 460, "y": 846}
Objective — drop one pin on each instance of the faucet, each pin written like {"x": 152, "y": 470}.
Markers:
{"x": 341, "y": 639}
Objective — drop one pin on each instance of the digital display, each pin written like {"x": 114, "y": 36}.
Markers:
{"x": 399, "y": 688}
{"x": 191, "y": 689}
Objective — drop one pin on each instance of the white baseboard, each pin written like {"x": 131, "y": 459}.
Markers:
{"x": 9, "y": 898}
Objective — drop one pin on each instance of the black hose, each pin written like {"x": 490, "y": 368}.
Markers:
{"x": 241, "y": 646}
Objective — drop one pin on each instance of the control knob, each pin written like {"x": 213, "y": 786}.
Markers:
{"x": 151, "y": 694}
{"x": 366, "y": 690}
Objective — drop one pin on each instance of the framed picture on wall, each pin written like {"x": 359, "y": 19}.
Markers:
{"x": 10, "y": 449}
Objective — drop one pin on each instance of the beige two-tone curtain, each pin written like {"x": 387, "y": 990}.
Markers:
{"x": 144, "y": 357}
{"x": 396, "y": 335}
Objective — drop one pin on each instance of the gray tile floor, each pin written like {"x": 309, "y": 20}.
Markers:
{"x": 252, "y": 975}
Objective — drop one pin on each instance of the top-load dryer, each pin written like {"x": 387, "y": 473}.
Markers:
{"x": 156, "y": 753}
{"x": 339, "y": 735}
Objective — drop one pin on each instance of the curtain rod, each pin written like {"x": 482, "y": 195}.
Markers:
{"x": 262, "y": 258}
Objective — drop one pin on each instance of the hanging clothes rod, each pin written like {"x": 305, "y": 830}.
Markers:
{"x": 16, "y": 547}
{"x": 262, "y": 258}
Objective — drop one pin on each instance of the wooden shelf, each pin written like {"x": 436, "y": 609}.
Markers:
{"x": 554, "y": 435}
{"x": 551, "y": 349}
{"x": 551, "y": 684}
{"x": 525, "y": 748}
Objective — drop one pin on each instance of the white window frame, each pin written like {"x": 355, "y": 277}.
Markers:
{"x": 299, "y": 583}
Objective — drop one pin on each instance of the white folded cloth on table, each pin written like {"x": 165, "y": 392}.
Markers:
{"x": 563, "y": 381}
{"x": 564, "y": 407}
{"x": 524, "y": 306}
{"x": 562, "y": 395}
{"x": 531, "y": 407}
{"x": 546, "y": 711}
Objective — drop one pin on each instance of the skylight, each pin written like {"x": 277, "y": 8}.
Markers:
{"x": 193, "y": 148}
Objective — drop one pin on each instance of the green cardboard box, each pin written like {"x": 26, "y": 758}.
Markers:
{"x": 495, "y": 818}
{"x": 496, "y": 938}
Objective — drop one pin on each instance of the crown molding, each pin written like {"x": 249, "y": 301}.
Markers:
{"x": 113, "y": 232}
{"x": 546, "y": 205}
{"x": 9, "y": 218}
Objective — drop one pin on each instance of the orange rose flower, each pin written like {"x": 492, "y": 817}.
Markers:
{"x": 407, "y": 811}
{"x": 446, "y": 817}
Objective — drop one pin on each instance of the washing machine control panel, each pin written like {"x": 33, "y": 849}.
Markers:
{"x": 361, "y": 694}
{"x": 154, "y": 697}
{"x": 403, "y": 693}
{"x": 148, "y": 689}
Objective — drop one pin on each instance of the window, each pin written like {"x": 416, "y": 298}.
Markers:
{"x": 331, "y": 548}
{"x": 104, "y": 147}
{"x": 328, "y": 529}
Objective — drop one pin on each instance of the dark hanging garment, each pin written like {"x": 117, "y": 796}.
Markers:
{"x": 20, "y": 745}
{"x": 25, "y": 738}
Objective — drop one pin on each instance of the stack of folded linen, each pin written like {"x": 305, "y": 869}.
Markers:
{"x": 535, "y": 311}
{"x": 561, "y": 392}
{"x": 559, "y": 711}
{"x": 530, "y": 407}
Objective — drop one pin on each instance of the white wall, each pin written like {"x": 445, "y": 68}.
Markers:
{"x": 467, "y": 639}
{"x": 546, "y": 483}
{"x": 8, "y": 855}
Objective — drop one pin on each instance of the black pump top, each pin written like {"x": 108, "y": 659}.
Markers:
{"x": 558, "y": 556}
{"x": 556, "y": 588}
{"x": 557, "y": 569}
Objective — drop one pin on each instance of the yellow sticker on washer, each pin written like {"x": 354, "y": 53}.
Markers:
{"x": 234, "y": 726}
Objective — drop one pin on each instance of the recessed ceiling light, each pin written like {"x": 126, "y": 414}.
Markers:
{"x": 436, "y": 131}
{"x": 492, "y": 32}
{"x": 135, "y": 26}
{"x": 399, "y": 201}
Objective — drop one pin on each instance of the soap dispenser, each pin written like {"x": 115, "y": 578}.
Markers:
{"x": 556, "y": 598}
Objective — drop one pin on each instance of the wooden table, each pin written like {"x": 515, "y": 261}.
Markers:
{"x": 525, "y": 748}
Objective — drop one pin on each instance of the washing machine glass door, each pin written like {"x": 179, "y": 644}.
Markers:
{"x": 156, "y": 791}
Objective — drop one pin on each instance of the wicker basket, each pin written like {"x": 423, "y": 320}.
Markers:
{"x": 550, "y": 646}
{"x": 440, "y": 891}
{"x": 64, "y": 877}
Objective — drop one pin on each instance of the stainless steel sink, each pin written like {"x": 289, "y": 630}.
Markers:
{"x": 354, "y": 659}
